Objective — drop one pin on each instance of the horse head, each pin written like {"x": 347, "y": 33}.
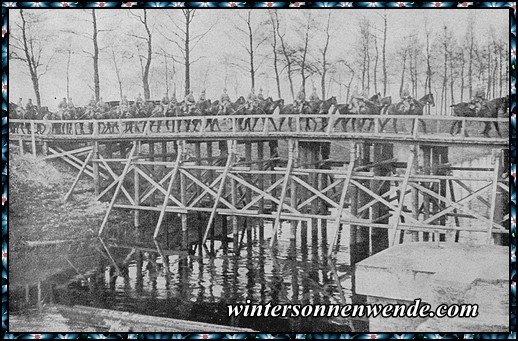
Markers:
{"x": 427, "y": 100}
{"x": 386, "y": 101}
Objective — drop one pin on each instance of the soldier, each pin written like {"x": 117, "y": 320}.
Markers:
{"x": 124, "y": 104}
{"x": 260, "y": 96}
{"x": 92, "y": 102}
{"x": 139, "y": 103}
{"x": 479, "y": 98}
{"x": 225, "y": 100}
{"x": 314, "y": 96}
{"x": 203, "y": 97}
{"x": 29, "y": 107}
{"x": 101, "y": 106}
{"x": 189, "y": 101}
{"x": 164, "y": 103}
{"x": 19, "y": 108}
{"x": 70, "y": 104}
{"x": 251, "y": 99}
{"x": 406, "y": 98}
{"x": 300, "y": 99}
{"x": 62, "y": 106}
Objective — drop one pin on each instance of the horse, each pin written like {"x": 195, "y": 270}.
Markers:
{"x": 416, "y": 108}
{"x": 324, "y": 110}
{"x": 490, "y": 109}
{"x": 371, "y": 107}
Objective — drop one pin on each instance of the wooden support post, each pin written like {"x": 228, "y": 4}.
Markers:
{"x": 353, "y": 231}
{"x": 415, "y": 195}
{"x": 136, "y": 186}
{"x": 20, "y": 142}
{"x": 152, "y": 159}
{"x": 494, "y": 190}
{"x": 118, "y": 188}
{"x": 292, "y": 145}
{"x": 230, "y": 160}
{"x": 33, "y": 138}
{"x": 379, "y": 237}
{"x": 273, "y": 146}
{"x": 180, "y": 149}
{"x": 45, "y": 148}
{"x": 260, "y": 184}
{"x": 401, "y": 201}
{"x": 341, "y": 204}
{"x": 168, "y": 193}
{"x": 313, "y": 182}
{"x": 426, "y": 198}
{"x": 248, "y": 192}
{"x": 95, "y": 165}
{"x": 164, "y": 151}
{"x": 76, "y": 180}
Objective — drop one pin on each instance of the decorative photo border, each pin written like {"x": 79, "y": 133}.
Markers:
{"x": 294, "y": 5}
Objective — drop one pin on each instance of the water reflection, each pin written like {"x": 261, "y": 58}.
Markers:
{"x": 153, "y": 279}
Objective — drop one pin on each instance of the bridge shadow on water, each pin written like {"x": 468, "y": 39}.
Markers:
{"x": 133, "y": 273}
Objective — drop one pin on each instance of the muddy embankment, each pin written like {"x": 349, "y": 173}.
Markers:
{"x": 37, "y": 211}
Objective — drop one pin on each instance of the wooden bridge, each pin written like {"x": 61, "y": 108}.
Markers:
{"x": 308, "y": 171}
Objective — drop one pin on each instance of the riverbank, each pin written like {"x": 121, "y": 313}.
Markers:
{"x": 37, "y": 211}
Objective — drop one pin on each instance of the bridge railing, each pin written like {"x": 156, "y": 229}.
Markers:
{"x": 403, "y": 126}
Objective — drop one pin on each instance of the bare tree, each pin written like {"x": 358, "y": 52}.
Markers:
{"x": 384, "y": 52}
{"x": 364, "y": 56}
{"x": 273, "y": 44}
{"x": 146, "y": 57}
{"x": 95, "y": 52}
{"x": 117, "y": 71}
{"x": 324, "y": 66}
{"x": 185, "y": 40}
{"x": 253, "y": 41}
{"x": 28, "y": 47}
{"x": 288, "y": 54}
{"x": 303, "y": 62}
{"x": 470, "y": 39}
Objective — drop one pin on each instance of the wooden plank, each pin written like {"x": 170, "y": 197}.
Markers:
{"x": 402, "y": 196}
{"x": 281, "y": 201}
{"x": 76, "y": 180}
{"x": 341, "y": 205}
{"x": 33, "y": 138}
{"x": 494, "y": 190}
{"x": 167, "y": 194}
{"x": 218, "y": 195}
{"x": 114, "y": 177}
{"x": 75, "y": 151}
{"x": 117, "y": 189}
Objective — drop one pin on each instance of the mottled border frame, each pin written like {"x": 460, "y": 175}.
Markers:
{"x": 512, "y": 178}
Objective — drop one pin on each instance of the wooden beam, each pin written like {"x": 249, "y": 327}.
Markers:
{"x": 399, "y": 210}
{"x": 76, "y": 180}
{"x": 494, "y": 190}
{"x": 167, "y": 193}
{"x": 341, "y": 205}
{"x": 117, "y": 189}
{"x": 281, "y": 201}
{"x": 218, "y": 195}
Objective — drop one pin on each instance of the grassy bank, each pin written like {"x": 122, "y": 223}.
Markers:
{"x": 36, "y": 208}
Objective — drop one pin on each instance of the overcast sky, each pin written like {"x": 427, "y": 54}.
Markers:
{"x": 223, "y": 40}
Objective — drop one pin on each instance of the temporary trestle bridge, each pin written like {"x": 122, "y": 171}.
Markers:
{"x": 231, "y": 172}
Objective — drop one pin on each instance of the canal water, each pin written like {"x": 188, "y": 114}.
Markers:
{"x": 139, "y": 276}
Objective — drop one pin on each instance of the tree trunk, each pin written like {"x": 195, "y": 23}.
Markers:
{"x": 275, "y": 58}
{"x": 376, "y": 65}
{"x": 33, "y": 71}
{"x": 145, "y": 75}
{"x": 384, "y": 54}
{"x": 97, "y": 85}
{"x": 251, "y": 51}
{"x": 403, "y": 74}
{"x": 187, "y": 60}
